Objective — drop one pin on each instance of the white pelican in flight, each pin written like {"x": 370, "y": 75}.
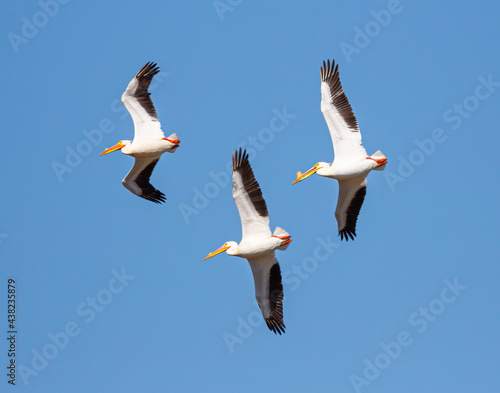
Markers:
{"x": 149, "y": 141}
{"x": 257, "y": 243}
{"x": 351, "y": 164}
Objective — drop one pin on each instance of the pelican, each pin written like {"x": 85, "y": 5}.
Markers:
{"x": 351, "y": 164}
{"x": 149, "y": 141}
{"x": 257, "y": 244}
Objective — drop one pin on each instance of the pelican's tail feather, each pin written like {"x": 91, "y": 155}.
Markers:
{"x": 284, "y": 236}
{"x": 381, "y": 160}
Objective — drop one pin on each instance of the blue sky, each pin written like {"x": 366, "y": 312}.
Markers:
{"x": 112, "y": 292}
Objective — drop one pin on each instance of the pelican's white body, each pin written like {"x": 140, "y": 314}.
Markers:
{"x": 149, "y": 147}
{"x": 352, "y": 167}
{"x": 258, "y": 245}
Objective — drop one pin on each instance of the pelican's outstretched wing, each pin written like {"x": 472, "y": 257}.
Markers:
{"x": 248, "y": 197}
{"x": 137, "y": 180}
{"x": 138, "y": 102}
{"x": 269, "y": 290}
{"x": 351, "y": 196}
{"x": 338, "y": 114}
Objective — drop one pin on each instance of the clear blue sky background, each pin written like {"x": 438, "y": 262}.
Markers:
{"x": 224, "y": 77}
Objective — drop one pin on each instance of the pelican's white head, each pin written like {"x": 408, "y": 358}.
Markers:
{"x": 231, "y": 248}
{"x": 320, "y": 168}
{"x": 119, "y": 146}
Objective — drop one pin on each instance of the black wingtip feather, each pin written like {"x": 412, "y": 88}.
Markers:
{"x": 330, "y": 75}
{"x": 148, "y": 191}
{"x": 276, "y": 327}
{"x": 150, "y": 69}
{"x": 275, "y": 320}
{"x": 145, "y": 76}
{"x": 155, "y": 196}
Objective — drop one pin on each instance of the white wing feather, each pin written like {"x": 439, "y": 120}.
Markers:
{"x": 146, "y": 124}
{"x": 339, "y": 116}
{"x": 252, "y": 223}
{"x": 248, "y": 198}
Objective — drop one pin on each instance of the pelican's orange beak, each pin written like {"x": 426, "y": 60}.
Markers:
{"x": 218, "y": 251}
{"x": 111, "y": 149}
{"x": 301, "y": 176}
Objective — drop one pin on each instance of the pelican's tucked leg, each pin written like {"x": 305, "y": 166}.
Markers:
{"x": 379, "y": 161}
{"x": 285, "y": 238}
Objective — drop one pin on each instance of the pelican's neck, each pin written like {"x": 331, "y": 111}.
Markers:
{"x": 325, "y": 169}
{"x": 128, "y": 148}
{"x": 234, "y": 249}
